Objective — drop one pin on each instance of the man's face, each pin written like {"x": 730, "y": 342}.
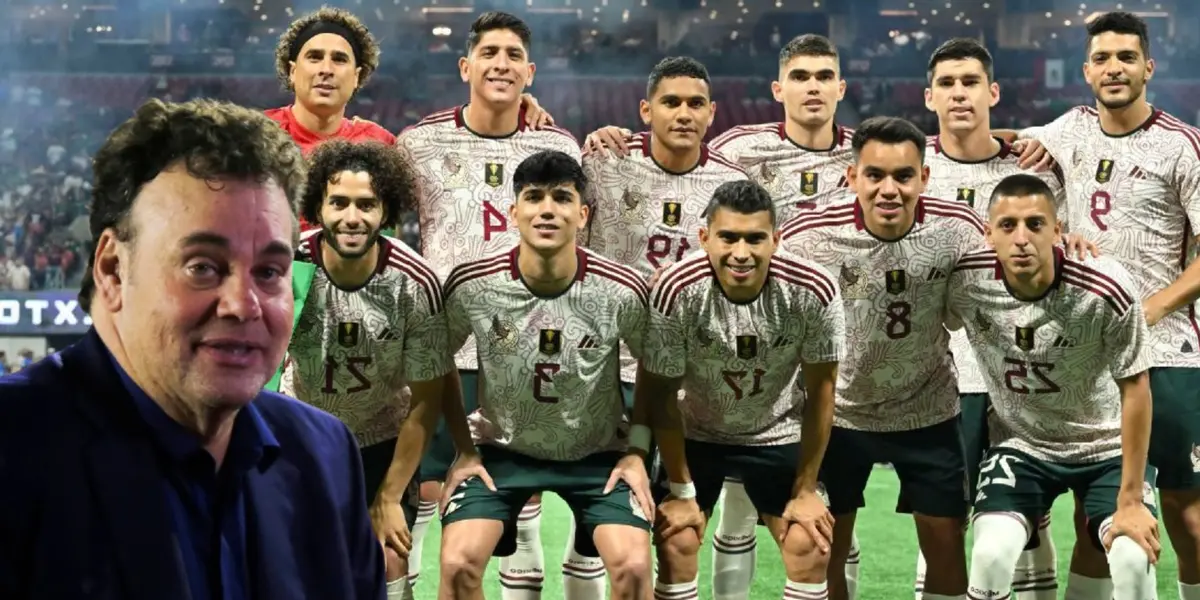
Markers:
{"x": 1023, "y": 230}
{"x": 810, "y": 88}
{"x": 961, "y": 95}
{"x": 351, "y": 214}
{"x": 549, "y": 218}
{"x": 889, "y": 179}
{"x": 202, "y": 296}
{"x": 324, "y": 75}
{"x": 740, "y": 247}
{"x": 680, "y": 112}
{"x": 1117, "y": 69}
{"x": 498, "y": 68}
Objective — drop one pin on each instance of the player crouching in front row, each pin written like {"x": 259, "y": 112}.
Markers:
{"x": 547, "y": 317}
{"x": 732, "y": 326}
{"x": 1060, "y": 341}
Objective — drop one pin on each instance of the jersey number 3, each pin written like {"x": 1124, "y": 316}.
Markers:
{"x": 543, "y": 374}
{"x": 354, "y": 365}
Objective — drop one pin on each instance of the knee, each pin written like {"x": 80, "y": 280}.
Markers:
{"x": 431, "y": 491}
{"x": 945, "y": 536}
{"x": 678, "y": 557}
{"x": 631, "y": 570}
{"x": 461, "y": 568}
{"x": 803, "y": 558}
{"x": 1126, "y": 556}
{"x": 395, "y": 566}
{"x": 1184, "y": 508}
{"x": 999, "y": 539}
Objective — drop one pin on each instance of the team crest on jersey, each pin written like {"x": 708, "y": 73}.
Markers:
{"x": 348, "y": 333}
{"x": 631, "y": 200}
{"x": 503, "y": 334}
{"x": 853, "y": 281}
{"x": 1104, "y": 171}
{"x": 967, "y": 195}
{"x": 1024, "y": 338}
{"x": 703, "y": 338}
{"x": 454, "y": 172}
{"x": 769, "y": 176}
{"x": 550, "y": 341}
{"x": 809, "y": 183}
{"x": 981, "y": 322}
{"x": 747, "y": 346}
{"x": 493, "y": 174}
{"x": 896, "y": 281}
{"x": 671, "y": 214}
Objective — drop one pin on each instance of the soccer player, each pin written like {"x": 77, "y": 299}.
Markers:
{"x": 1061, "y": 345}
{"x": 731, "y": 326}
{"x": 897, "y": 400}
{"x": 1133, "y": 187}
{"x": 965, "y": 163}
{"x": 465, "y": 157}
{"x": 373, "y": 324}
{"x": 547, "y": 317}
{"x": 648, "y": 208}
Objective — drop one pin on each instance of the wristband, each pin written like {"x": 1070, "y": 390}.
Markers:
{"x": 683, "y": 491}
{"x": 639, "y": 437}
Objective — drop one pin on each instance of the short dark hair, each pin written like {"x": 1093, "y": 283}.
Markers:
{"x": 392, "y": 177}
{"x": 363, "y": 41}
{"x": 212, "y": 140}
{"x": 549, "y": 168}
{"x": 962, "y": 49}
{"x": 1023, "y": 184}
{"x": 498, "y": 20}
{"x": 677, "y": 66}
{"x": 743, "y": 197}
{"x": 809, "y": 44}
{"x": 888, "y": 130}
{"x": 1120, "y": 22}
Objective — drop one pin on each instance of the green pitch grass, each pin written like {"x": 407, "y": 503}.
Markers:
{"x": 888, "y": 542}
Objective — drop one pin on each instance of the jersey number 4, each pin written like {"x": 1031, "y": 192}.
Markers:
{"x": 354, "y": 366}
{"x": 660, "y": 246}
{"x": 494, "y": 221}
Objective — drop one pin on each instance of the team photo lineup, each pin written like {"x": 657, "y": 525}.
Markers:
{"x": 696, "y": 346}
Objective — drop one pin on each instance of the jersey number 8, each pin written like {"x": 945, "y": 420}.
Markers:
{"x": 899, "y": 320}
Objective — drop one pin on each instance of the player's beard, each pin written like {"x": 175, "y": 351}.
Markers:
{"x": 1134, "y": 94}
{"x": 331, "y": 239}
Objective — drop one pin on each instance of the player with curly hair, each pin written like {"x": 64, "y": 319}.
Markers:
{"x": 370, "y": 344}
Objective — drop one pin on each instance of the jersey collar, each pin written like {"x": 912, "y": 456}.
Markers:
{"x": 580, "y": 270}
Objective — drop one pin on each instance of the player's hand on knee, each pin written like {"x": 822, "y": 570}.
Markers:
{"x": 808, "y": 511}
{"x": 465, "y": 467}
{"x": 387, "y": 519}
{"x": 675, "y": 515}
{"x": 1033, "y": 155}
{"x": 632, "y": 470}
{"x": 1135, "y": 522}
{"x": 1079, "y": 246}
{"x": 608, "y": 139}
{"x": 536, "y": 117}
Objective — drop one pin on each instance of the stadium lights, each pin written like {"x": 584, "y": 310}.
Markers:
{"x": 441, "y": 31}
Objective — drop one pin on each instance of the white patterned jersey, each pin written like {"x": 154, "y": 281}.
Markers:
{"x": 1137, "y": 197}
{"x": 549, "y": 378}
{"x": 467, "y": 188}
{"x": 353, "y": 351}
{"x": 1050, "y": 364}
{"x": 646, "y": 217}
{"x": 897, "y": 374}
{"x": 972, "y": 182}
{"x": 798, "y": 178}
{"x": 739, "y": 361}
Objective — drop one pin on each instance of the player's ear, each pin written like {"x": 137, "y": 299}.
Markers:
{"x": 644, "y": 110}
{"x": 292, "y": 73}
{"x": 924, "y": 175}
{"x": 841, "y": 88}
{"x": 987, "y": 236}
{"x": 529, "y": 76}
{"x": 777, "y": 91}
{"x": 994, "y": 90}
{"x": 852, "y": 178}
{"x": 464, "y": 69}
{"x": 106, "y": 270}
{"x": 704, "y": 237}
{"x": 929, "y": 100}
{"x": 1149, "y": 68}
{"x": 585, "y": 214}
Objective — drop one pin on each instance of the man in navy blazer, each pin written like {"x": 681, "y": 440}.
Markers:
{"x": 145, "y": 462}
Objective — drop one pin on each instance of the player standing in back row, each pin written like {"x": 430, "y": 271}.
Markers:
{"x": 965, "y": 163}
{"x": 1133, "y": 188}
{"x": 465, "y": 157}
{"x": 648, "y": 208}
{"x": 372, "y": 330}
{"x": 548, "y": 318}
{"x": 897, "y": 400}
{"x": 731, "y": 326}
{"x": 1061, "y": 343}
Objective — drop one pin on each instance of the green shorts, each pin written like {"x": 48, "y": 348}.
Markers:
{"x": 517, "y": 477}
{"x": 441, "y": 453}
{"x": 766, "y": 472}
{"x": 1175, "y": 430}
{"x": 974, "y": 419}
{"x": 376, "y": 459}
{"x": 1014, "y": 482}
{"x": 929, "y": 462}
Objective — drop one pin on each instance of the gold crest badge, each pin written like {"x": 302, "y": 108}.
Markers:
{"x": 896, "y": 282}
{"x": 671, "y": 214}
{"x": 747, "y": 346}
{"x": 1104, "y": 171}
{"x": 550, "y": 341}
{"x": 493, "y": 174}
{"x": 809, "y": 183}
{"x": 348, "y": 334}
{"x": 1024, "y": 338}
{"x": 967, "y": 195}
